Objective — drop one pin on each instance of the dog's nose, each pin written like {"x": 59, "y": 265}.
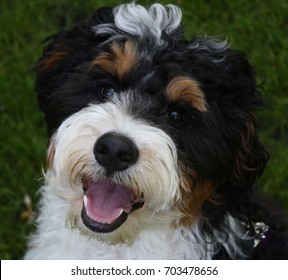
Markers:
{"x": 115, "y": 152}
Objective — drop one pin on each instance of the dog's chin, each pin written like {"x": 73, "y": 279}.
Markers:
{"x": 107, "y": 205}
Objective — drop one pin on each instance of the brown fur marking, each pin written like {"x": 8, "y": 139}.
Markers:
{"x": 184, "y": 89}
{"x": 195, "y": 192}
{"x": 50, "y": 61}
{"x": 51, "y": 153}
{"x": 120, "y": 61}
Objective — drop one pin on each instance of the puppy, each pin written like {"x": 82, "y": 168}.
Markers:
{"x": 153, "y": 150}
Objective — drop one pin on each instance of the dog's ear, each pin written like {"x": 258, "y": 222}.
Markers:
{"x": 239, "y": 99}
{"x": 233, "y": 96}
{"x": 250, "y": 159}
{"x": 65, "y": 51}
{"x": 71, "y": 43}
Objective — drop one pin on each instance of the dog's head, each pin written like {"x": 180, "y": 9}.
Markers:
{"x": 147, "y": 127}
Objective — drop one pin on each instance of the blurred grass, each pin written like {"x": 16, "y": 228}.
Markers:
{"x": 258, "y": 27}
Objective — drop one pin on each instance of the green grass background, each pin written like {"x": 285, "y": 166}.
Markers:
{"x": 258, "y": 27}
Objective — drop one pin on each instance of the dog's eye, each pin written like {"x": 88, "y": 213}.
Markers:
{"x": 107, "y": 91}
{"x": 176, "y": 116}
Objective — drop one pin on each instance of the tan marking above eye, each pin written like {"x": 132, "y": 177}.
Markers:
{"x": 184, "y": 89}
{"x": 120, "y": 61}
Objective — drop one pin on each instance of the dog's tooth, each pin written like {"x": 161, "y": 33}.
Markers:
{"x": 119, "y": 214}
{"x": 85, "y": 200}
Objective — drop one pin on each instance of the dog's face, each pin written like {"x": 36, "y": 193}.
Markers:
{"x": 147, "y": 127}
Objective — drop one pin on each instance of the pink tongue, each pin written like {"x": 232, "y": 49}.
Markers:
{"x": 106, "y": 200}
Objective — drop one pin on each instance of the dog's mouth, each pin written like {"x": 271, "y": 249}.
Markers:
{"x": 107, "y": 205}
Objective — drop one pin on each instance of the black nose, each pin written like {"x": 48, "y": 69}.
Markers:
{"x": 115, "y": 152}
